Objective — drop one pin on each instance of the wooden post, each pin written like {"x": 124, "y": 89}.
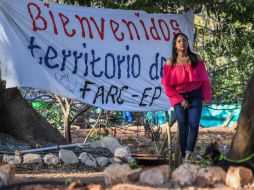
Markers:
{"x": 164, "y": 144}
{"x": 95, "y": 125}
{"x": 177, "y": 150}
{"x": 227, "y": 120}
{"x": 114, "y": 131}
{"x": 169, "y": 140}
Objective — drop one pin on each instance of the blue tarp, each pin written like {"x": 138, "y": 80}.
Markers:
{"x": 212, "y": 116}
{"x": 215, "y": 115}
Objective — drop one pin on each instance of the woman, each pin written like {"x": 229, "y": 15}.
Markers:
{"x": 186, "y": 84}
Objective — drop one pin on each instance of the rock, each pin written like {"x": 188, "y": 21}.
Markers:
{"x": 185, "y": 175}
{"x": 251, "y": 186}
{"x": 115, "y": 160}
{"x": 156, "y": 176}
{"x": 238, "y": 177}
{"x": 77, "y": 184}
{"x": 124, "y": 154}
{"x": 51, "y": 159}
{"x": 94, "y": 187}
{"x": 134, "y": 175}
{"x": 210, "y": 176}
{"x": 68, "y": 156}
{"x": 102, "y": 161}
{"x": 134, "y": 187}
{"x": 218, "y": 186}
{"x": 7, "y": 174}
{"x": 32, "y": 158}
{"x": 198, "y": 157}
{"x": 116, "y": 173}
{"x": 11, "y": 159}
{"x": 110, "y": 143}
{"x": 87, "y": 159}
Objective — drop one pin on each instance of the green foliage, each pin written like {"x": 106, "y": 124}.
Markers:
{"x": 97, "y": 134}
{"x": 95, "y": 137}
{"x": 53, "y": 113}
{"x": 228, "y": 49}
{"x": 134, "y": 165}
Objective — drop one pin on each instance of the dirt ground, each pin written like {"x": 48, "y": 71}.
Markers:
{"x": 132, "y": 136}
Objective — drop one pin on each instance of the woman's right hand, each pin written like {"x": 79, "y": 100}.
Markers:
{"x": 185, "y": 104}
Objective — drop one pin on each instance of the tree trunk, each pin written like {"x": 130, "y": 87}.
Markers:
{"x": 21, "y": 121}
{"x": 67, "y": 128}
{"x": 243, "y": 144}
{"x": 65, "y": 104}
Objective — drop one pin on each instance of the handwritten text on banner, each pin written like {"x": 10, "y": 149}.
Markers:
{"x": 103, "y": 57}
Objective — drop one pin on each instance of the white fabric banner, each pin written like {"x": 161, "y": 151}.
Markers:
{"x": 103, "y": 57}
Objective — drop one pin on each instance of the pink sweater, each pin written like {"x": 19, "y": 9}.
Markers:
{"x": 183, "y": 78}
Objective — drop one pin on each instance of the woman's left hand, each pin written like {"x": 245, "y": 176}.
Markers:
{"x": 185, "y": 104}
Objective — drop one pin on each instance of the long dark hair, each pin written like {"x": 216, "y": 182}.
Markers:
{"x": 193, "y": 56}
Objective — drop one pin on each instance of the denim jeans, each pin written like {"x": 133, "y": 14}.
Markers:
{"x": 188, "y": 120}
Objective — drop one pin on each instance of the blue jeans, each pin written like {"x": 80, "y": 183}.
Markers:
{"x": 188, "y": 120}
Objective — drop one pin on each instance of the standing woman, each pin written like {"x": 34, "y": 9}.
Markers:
{"x": 187, "y": 85}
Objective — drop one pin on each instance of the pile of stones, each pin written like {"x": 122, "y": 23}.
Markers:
{"x": 116, "y": 153}
{"x": 186, "y": 176}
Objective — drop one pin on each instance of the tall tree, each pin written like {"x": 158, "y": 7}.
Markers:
{"x": 243, "y": 145}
